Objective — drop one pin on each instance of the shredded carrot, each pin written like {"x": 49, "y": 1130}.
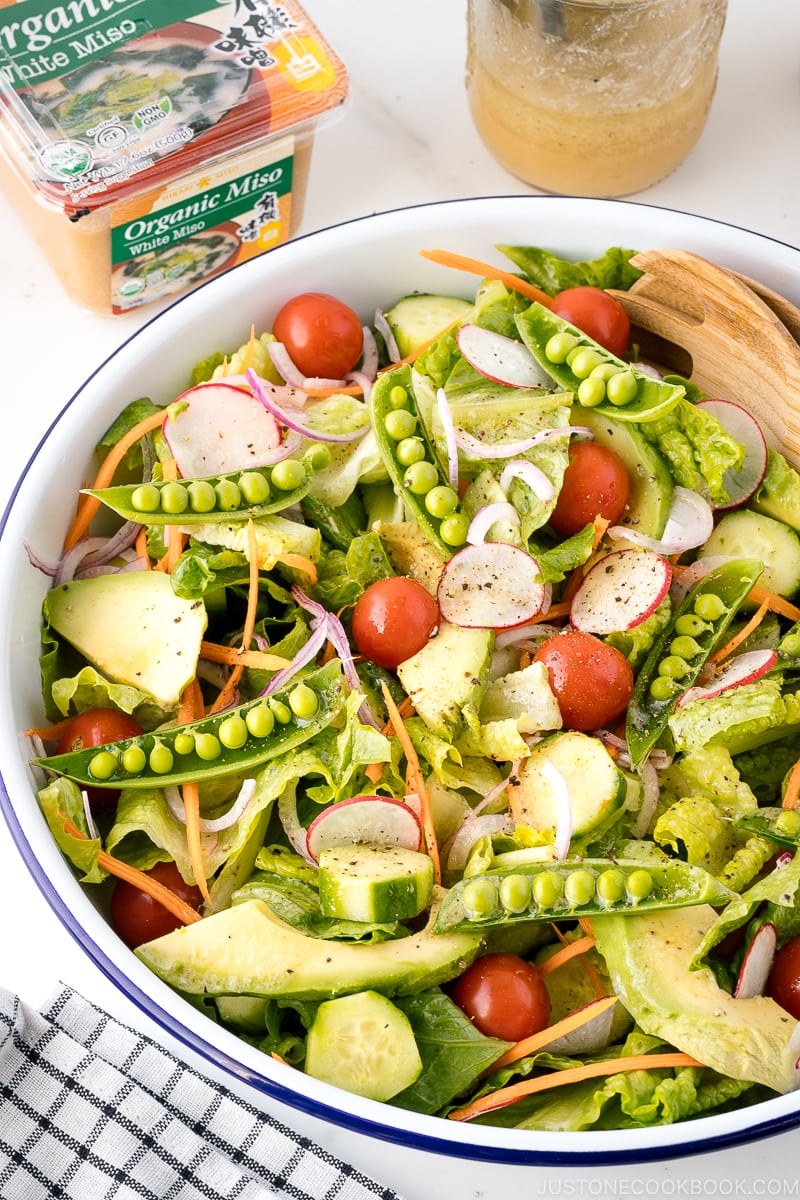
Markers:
{"x": 776, "y": 603}
{"x": 565, "y": 953}
{"x": 460, "y": 262}
{"x": 191, "y": 705}
{"x": 542, "y": 1039}
{"x": 374, "y": 772}
{"x": 249, "y": 354}
{"x": 744, "y": 632}
{"x": 226, "y": 694}
{"x": 417, "y": 779}
{"x": 90, "y": 504}
{"x": 145, "y": 883}
{"x": 141, "y": 546}
{"x": 542, "y": 1083}
{"x": 299, "y": 562}
{"x": 351, "y": 389}
{"x": 554, "y": 613}
{"x": 586, "y": 925}
{"x": 791, "y": 793}
{"x": 233, "y": 655}
{"x": 191, "y": 809}
{"x": 600, "y": 527}
{"x": 405, "y": 710}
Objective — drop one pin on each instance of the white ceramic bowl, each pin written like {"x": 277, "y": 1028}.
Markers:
{"x": 368, "y": 262}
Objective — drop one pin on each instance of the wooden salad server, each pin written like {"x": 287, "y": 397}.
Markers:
{"x": 699, "y": 319}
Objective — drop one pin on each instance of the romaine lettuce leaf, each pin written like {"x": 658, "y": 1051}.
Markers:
{"x": 62, "y": 798}
{"x": 697, "y": 448}
{"x": 553, "y": 274}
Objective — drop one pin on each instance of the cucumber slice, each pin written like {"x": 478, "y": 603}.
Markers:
{"x": 364, "y": 882}
{"x": 597, "y": 788}
{"x": 745, "y": 534}
{"x": 417, "y": 319}
{"x": 364, "y": 1044}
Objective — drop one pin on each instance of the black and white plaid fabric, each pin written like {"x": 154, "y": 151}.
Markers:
{"x": 93, "y": 1110}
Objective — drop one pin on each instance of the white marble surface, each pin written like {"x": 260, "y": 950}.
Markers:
{"x": 406, "y": 138}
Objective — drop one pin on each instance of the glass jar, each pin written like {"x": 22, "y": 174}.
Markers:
{"x": 592, "y": 97}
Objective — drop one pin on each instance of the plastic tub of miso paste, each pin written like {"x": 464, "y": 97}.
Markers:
{"x": 150, "y": 144}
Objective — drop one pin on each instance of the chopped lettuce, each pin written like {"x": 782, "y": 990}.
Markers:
{"x": 694, "y": 828}
{"x": 739, "y": 719}
{"x": 62, "y": 798}
{"x": 553, "y": 274}
{"x": 635, "y": 643}
{"x": 697, "y": 448}
{"x": 275, "y": 537}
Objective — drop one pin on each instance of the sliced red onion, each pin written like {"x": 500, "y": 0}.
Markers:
{"x": 488, "y": 799}
{"x": 563, "y": 831}
{"x": 369, "y": 354}
{"x": 39, "y": 563}
{"x": 449, "y": 437}
{"x": 363, "y": 380}
{"x": 387, "y": 333}
{"x": 114, "y": 546}
{"x": 478, "y": 449}
{"x": 216, "y": 824}
{"x": 486, "y": 517}
{"x": 87, "y": 812}
{"x": 514, "y": 637}
{"x": 470, "y": 831}
{"x": 651, "y": 790}
{"x": 305, "y": 655}
{"x": 338, "y": 638}
{"x": 282, "y": 361}
{"x": 530, "y": 474}
{"x": 690, "y": 523}
{"x": 261, "y": 390}
{"x": 295, "y": 832}
{"x": 65, "y": 571}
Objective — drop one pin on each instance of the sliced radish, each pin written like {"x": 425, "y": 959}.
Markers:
{"x": 744, "y": 428}
{"x": 501, "y": 359}
{"x": 757, "y": 963}
{"x": 379, "y": 820}
{"x": 490, "y": 586}
{"x": 220, "y": 428}
{"x": 621, "y": 590}
{"x": 744, "y": 668}
{"x": 590, "y": 1037}
{"x": 689, "y": 524}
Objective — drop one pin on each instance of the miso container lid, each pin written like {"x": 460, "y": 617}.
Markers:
{"x": 101, "y": 98}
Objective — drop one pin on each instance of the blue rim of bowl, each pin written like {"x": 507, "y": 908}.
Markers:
{"x": 220, "y": 1059}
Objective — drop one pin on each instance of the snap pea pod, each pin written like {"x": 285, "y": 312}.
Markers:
{"x": 412, "y": 463}
{"x": 573, "y": 888}
{"x": 781, "y": 825}
{"x": 255, "y": 492}
{"x": 597, "y": 378}
{"x": 229, "y": 742}
{"x": 680, "y": 653}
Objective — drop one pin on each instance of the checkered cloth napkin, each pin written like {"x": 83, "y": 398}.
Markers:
{"x": 93, "y": 1110}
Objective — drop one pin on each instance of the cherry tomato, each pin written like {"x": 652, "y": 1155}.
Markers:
{"x": 96, "y": 727}
{"x": 393, "y": 619}
{"x": 595, "y": 484}
{"x": 591, "y": 680}
{"x": 783, "y": 983}
{"x": 323, "y": 336}
{"x": 504, "y": 996}
{"x": 138, "y": 918}
{"x": 597, "y": 314}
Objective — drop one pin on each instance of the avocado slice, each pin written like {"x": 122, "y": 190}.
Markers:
{"x": 652, "y": 485}
{"x": 246, "y": 950}
{"x": 449, "y": 673}
{"x": 133, "y": 629}
{"x": 648, "y": 958}
{"x": 411, "y": 552}
{"x": 778, "y": 494}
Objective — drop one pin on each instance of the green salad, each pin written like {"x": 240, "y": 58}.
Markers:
{"x": 421, "y": 700}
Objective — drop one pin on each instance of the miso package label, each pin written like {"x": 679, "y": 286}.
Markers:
{"x": 103, "y": 97}
{"x": 170, "y": 238}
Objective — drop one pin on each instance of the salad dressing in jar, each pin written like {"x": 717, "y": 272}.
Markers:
{"x": 592, "y": 97}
